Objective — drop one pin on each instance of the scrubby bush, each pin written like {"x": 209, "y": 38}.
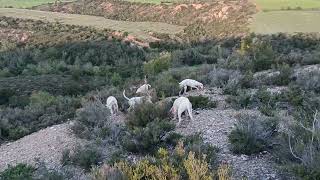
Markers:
{"x": 166, "y": 85}
{"x": 163, "y": 165}
{"x": 85, "y": 157}
{"x": 92, "y": 121}
{"x": 18, "y": 172}
{"x": 252, "y": 134}
{"x": 148, "y": 128}
{"x": 300, "y": 146}
{"x": 158, "y": 65}
{"x": 243, "y": 99}
{"x": 202, "y": 102}
{"x": 194, "y": 143}
{"x": 309, "y": 80}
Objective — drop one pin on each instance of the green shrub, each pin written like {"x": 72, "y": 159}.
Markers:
{"x": 85, "y": 157}
{"x": 148, "y": 127}
{"x": 251, "y": 134}
{"x": 158, "y": 65}
{"x": 5, "y": 95}
{"x": 166, "y": 85}
{"x": 243, "y": 99}
{"x": 116, "y": 79}
{"x": 18, "y": 172}
{"x": 146, "y": 113}
{"x": 283, "y": 78}
{"x": 92, "y": 121}
{"x": 196, "y": 144}
{"x": 202, "y": 102}
{"x": 147, "y": 139}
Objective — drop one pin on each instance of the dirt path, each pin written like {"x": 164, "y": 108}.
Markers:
{"x": 215, "y": 125}
{"x": 45, "y": 145}
{"x": 137, "y": 29}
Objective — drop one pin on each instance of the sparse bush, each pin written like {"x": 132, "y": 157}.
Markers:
{"x": 309, "y": 81}
{"x": 194, "y": 143}
{"x": 243, "y": 99}
{"x": 92, "y": 121}
{"x": 18, "y": 172}
{"x": 85, "y": 157}
{"x": 202, "y": 102}
{"x": 252, "y": 134}
{"x": 300, "y": 146}
{"x": 283, "y": 78}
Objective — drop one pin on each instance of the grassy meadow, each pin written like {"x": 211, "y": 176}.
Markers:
{"x": 287, "y": 4}
{"x": 25, "y": 3}
{"x": 286, "y": 21}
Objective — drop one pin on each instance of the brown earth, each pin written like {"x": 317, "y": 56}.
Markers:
{"x": 216, "y": 19}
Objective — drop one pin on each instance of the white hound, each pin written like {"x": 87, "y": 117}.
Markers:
{"x": 136, "y": 100}
{"x": 191, "y": 83}
{"x": 112, "y": 104}
{"x": 179, "y": 106}
{"x": 144, "y": 89}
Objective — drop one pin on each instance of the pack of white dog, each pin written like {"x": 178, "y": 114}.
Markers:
{"x": 180, "y": 105}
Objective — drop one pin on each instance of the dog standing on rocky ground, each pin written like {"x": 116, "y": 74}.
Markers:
{"x": 179, "y": 106}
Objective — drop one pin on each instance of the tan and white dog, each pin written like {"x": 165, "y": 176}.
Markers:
{"x": 179, "y": 106}
{"x": 190, "y": 83}
{"x": 112, "y": 104}
{"x": 134, "y": 101}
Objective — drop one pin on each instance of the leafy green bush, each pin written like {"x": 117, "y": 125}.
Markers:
{"x": 18, "y": 172}
{"x": 202, "y": 102}
{"x": 252, "y": 134}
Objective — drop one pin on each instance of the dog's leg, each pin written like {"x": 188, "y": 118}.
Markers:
{"x": 190, "y": 113}
{"x": 179, "y": 116}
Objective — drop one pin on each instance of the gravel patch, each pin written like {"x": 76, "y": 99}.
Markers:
{"x": 45, "y": 145}
{"x": 215, "y": 125}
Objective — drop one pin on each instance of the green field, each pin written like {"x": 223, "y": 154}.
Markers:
{"x": 284, "y": 4}
{"x": 286, "y": 21}
{"x": 25, "y": 3}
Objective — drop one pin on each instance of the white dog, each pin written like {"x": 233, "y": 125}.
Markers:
{"x": 179, "y": 106}
{"x": 144, "y": 89}
{"x": 112, "y": 104}
{"x": 136, "y": 100}
{"x": 189, "y": 83}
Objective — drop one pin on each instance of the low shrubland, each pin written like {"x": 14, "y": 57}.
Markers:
{"x": 20, "y": 171}
{"x": 42, "y": 110}
{"x": 252, "y": 134}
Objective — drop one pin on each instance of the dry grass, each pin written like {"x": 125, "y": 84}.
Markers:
{"x": 26, "y": 3}
{"x": 138, "y": 29}
{"x": 286, "y": 21}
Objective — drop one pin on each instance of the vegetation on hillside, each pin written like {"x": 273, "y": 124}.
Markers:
{"x": 59, "y": 72}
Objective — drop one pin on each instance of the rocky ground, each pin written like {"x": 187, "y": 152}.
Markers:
{"x": 45, "y": 146}
{"x": 215, "y": 125}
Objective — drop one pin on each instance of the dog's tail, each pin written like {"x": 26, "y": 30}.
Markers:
{"x": 124, "y": 95}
